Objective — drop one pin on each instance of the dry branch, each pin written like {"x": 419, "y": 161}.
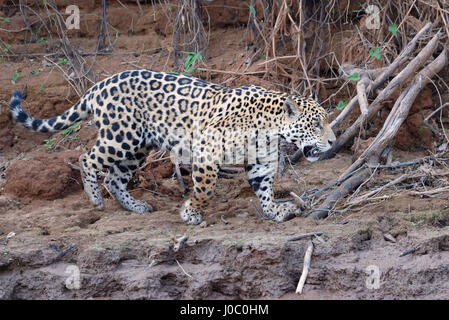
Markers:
{"x": 306, "y": 266}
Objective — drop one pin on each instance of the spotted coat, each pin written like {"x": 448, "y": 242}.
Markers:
{"x": 196, "y": 120}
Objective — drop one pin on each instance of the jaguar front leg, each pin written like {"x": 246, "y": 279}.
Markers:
{"x": 261, "y": 177}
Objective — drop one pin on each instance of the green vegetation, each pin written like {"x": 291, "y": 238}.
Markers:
{"x": 341, "y": 105}
{"x": 15, "y": 76}
{"x": 191, "y": 58}
{"x": 49, "y": 143}
{"x": 375, "y": 53}
{"x": 393, "y": 28}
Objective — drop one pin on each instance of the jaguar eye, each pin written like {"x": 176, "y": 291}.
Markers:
{"x": 318, "y": 125}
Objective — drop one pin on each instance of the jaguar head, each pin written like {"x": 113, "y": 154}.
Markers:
{"x": 307, "y": 126}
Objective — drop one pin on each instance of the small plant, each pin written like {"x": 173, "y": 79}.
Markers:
{"x": 393, "y": 28}
{"x": 341, "y": 105}
{"x": 190, "y": 60}
{"x": 6, "y": 48}
{"x": 354, "y": 77}
{"x": 375, "y": 53}
{"x": 7, "y": 19}
{"x": 48, "y": 143}
{"x": 41, "y": 40}
{"x": 73, "y": 128}
{"x": 62, "y": 61}
{"x": 15, "y": 76}
{"x": 251, "y": 9}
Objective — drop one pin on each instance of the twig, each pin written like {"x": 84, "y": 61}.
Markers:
{"x": 183, "y": 269}
{"x": 305, "y": 235}
{"x": 407, "y": 252}
{"x": 223, "y": 219}
{"x": 431, "y": 115}
{"x": 306, "y": 266}
{"x": 298, "y": 200}
{"x": 257, "y": 210}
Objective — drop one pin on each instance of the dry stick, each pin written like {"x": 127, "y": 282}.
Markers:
{"x": 183, "y": 269}
{"x": 306, "y": 266}
{"x": 298, "y": 200}
{"x": 361, "y": 95}
{"x": 377, "y": 190}
{"x": 431, "y": 115}
{"x": 179, "y": 176}
{"x": 429, "y": 192}
{"x": 257, "y": 210}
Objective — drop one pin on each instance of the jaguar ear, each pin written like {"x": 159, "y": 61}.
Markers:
{"x": 313, "y": 95}
{"x": 292, "y": 109}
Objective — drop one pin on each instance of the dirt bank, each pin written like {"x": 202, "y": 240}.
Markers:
{"x": 126, "y": 255}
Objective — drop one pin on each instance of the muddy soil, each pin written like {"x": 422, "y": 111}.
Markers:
{"x": 49, "y": 231}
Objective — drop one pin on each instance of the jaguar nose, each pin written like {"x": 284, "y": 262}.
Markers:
{"x": 331, "y": 142}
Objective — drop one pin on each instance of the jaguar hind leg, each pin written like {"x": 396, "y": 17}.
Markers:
{"x": 89, "y": 177}
{"x": 116, "y": 182}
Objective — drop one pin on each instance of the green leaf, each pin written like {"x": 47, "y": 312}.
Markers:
{"x": 5, "y": 19}
{"x": 393, "y": 28}
{"x": 341, "y": 105}
{"x": 190, "y": 60}
{"x": 354, "y": 77}
{"x": 251, "y": 9}
{"x": 375, "y": 53}
{"x": 15, "y": 76}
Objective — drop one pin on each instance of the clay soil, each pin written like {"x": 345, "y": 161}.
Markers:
{"x": 234, "y": 254}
